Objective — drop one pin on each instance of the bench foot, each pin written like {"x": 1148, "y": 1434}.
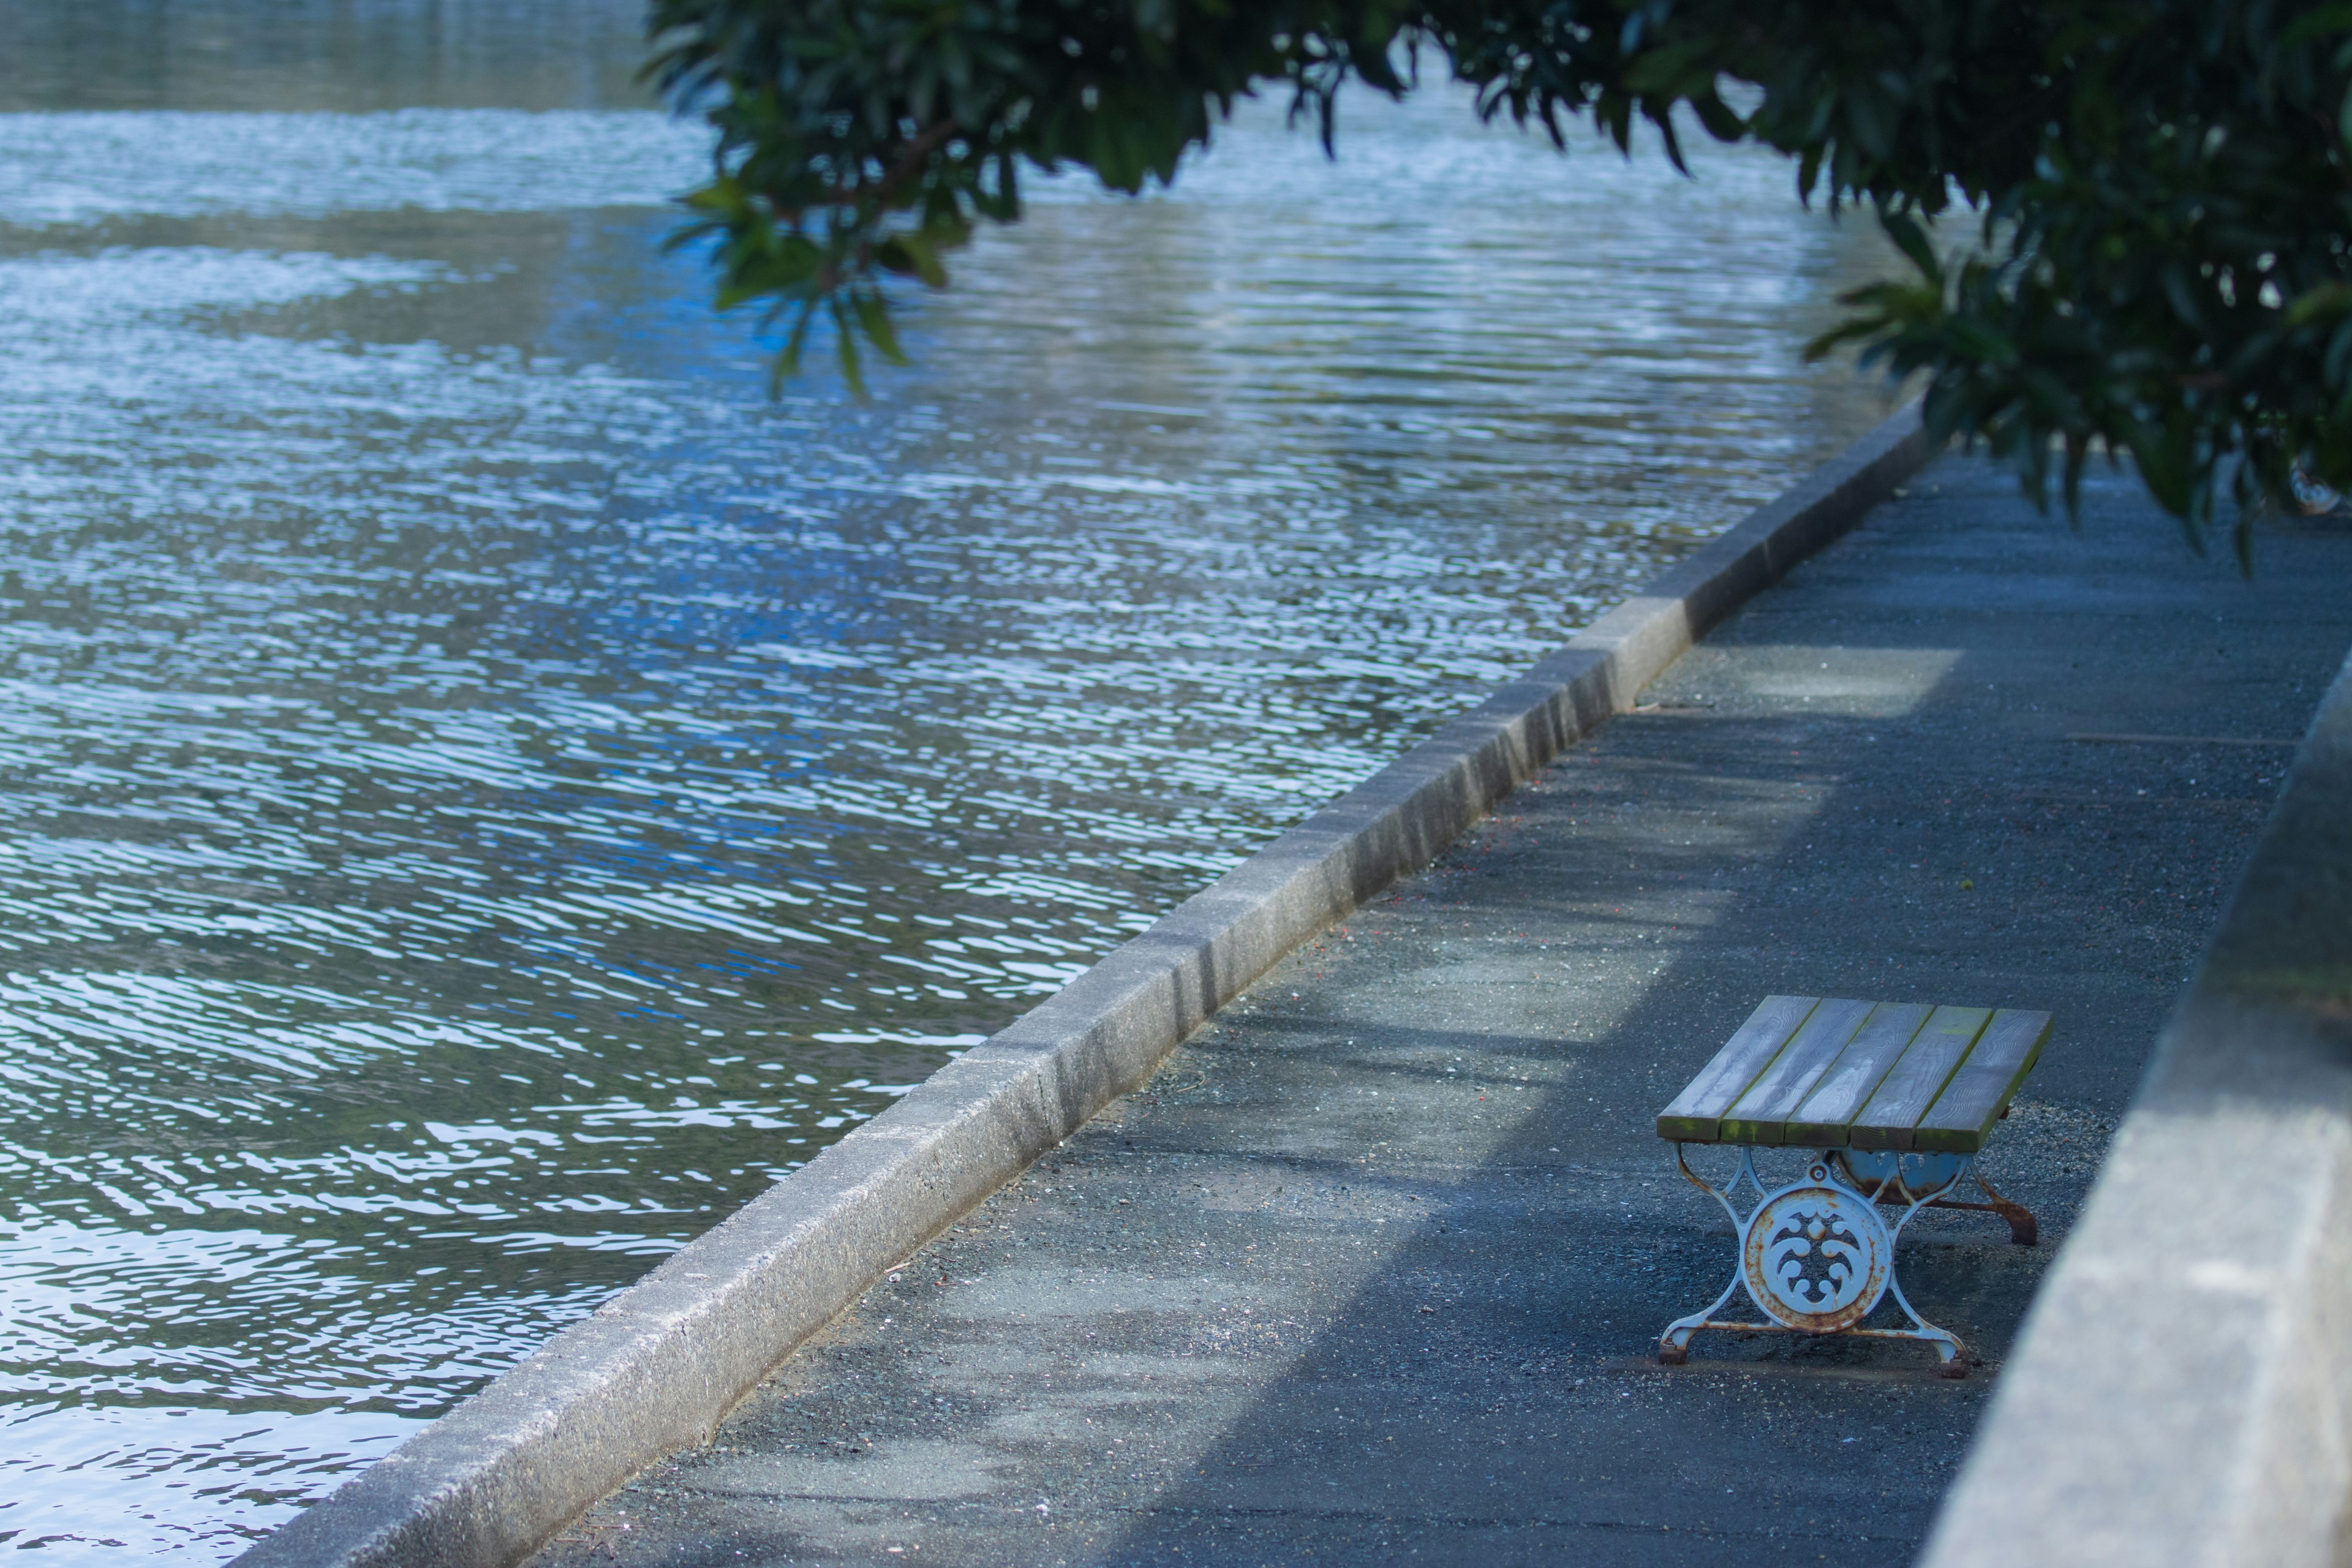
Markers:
{"x": 1816, "y": 1258}
{"x": 2021, "y": 1228}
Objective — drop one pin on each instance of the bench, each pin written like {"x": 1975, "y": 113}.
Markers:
{"x": 1890, "y": 1103}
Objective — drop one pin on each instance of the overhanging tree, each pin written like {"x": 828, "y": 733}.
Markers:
{"x": 2159, "y": 189}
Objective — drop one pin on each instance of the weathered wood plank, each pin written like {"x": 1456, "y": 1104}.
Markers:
{"x": 1962, "y": 1116}
{"x": 1696, "y": 1112}
{"x": 1911, "y": 1085}
{"x": 1827, "y": 1113}
{"x": 1761, "y": 1115}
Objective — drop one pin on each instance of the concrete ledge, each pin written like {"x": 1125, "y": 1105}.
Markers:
{"x": 656, "y": 1368}
{"x": 2181, "y": 1389}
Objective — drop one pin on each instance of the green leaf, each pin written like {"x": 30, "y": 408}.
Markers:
{"x": 1912, "y": 240}
{"x": 874, "y": 319}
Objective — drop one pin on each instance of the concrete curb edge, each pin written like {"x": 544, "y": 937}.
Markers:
{"x": 655, "y": 1369}
{"x": 2181, "y": 1390}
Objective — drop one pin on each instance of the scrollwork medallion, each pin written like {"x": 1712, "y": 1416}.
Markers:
{"x": 1816, "y": 1255}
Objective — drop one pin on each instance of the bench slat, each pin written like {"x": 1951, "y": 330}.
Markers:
{"x": 1696, "y": 1113}
{"x": 1911, "y": 1085}
{"x": 1962, "y": 1116}
{"x": 1761, "y": 1115}
{"x": 1824, "y": 1117}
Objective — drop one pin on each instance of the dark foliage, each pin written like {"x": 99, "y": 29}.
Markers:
{"x": 2158, "y": 188}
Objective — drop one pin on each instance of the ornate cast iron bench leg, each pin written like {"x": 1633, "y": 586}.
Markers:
{"x": 1815, "y": 1257}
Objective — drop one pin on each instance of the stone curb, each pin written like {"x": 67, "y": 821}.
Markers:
{"x": 2181, "y": 1391}
{"x": 656, "y": 1368}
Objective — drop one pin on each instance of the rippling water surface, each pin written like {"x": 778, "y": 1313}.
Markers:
{"x": 484, "y": 791}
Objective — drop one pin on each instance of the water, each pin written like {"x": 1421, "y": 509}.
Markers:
{"x": 483, "y": 791}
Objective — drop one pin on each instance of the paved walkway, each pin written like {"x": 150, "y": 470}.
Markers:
{"x": 1374, "y": 1269}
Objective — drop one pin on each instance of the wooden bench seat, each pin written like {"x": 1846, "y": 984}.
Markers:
{"x": 1892, "y": 1101}
{"x": 1834, "y": 1073}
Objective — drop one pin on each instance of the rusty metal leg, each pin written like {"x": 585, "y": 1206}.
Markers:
{"x": 1952, "y": 1355}
{"x": 2022, "y": 1231}
{"x": 1674, "y": 1344}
